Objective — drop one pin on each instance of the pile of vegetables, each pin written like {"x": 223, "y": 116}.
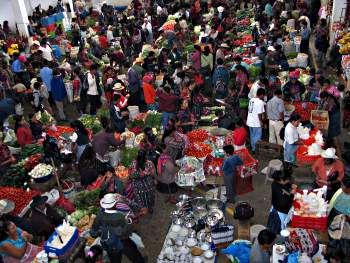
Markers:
{"x": 102, "y": 113}
{"x": 154, "y": 119}
{"x": 45, "y": 118}
{"x": 199, "y": 150}
{"x": 41, "y": 170}
{"x": 59, "y": 130}
{"x": 92, "y": 123}
{"x": 20, "y": 197}
{"x": 82, "y": 219}
{"x": 87, "y": 200}
{"x": 136, "y": 126}
{"x": 127, "y": 155}
{"x": 199, "y": 135}
{"x": 32, "y": 161}
{"x": 31, "y": 149}
{"x": 15, "y": 176}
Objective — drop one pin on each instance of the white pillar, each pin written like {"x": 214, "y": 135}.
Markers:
{"x": 21, "y": 17}
{"x": 338, "y": 6}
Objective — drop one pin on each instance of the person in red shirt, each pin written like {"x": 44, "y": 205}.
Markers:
{"x": 103, "y": 40}
{"x": 123, "y": 101}
{"x": 149, "y": 92}
{"x": 23, "y": 132}
{"x": 238, "y": 136}
{"x": 167, "y": 103}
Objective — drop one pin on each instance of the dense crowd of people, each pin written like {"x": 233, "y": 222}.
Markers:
{"x": 137, "y": 58}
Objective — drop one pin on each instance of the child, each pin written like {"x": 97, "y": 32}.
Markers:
{"x": 229, "y": 169}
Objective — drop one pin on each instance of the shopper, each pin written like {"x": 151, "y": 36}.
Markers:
{"x": 231, "y": 162}
{"x": 275, "y": 114}
{"x": 59, "y": 93}
{"x": 256, "y": 110}
{"x": 262, "y": 247}
{"x": 291, "y": 140}
{"x": 94, "y": 91}
{"x": 282, "y": 200}
{"x": 114, "y": 231}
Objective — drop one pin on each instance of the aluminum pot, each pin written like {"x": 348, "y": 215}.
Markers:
{"x": 200, "y": 213}
{"x": 189, "y": 223}
{"x": 211, "y": 221}
{"x": 198, "y": 202}
{"x": 214, "y": 204}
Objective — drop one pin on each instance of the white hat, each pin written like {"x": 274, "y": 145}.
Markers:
{"x": 221, "y": 9}
{"x": 108, "y": 201}
{"x": 74, "y": 137}
{"x": 6, "y": 206}
{"x": 329, "y": 154}
{"x": 118, "y": 86}
{"x": 271, "y": 48}
{"x": 36, "y": 42}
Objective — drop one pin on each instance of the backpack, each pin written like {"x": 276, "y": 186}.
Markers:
{"x": 220, "y": 87}
{"x": 243, "y": 211}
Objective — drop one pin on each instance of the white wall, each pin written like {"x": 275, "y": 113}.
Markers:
{"x": 7, "y": 13}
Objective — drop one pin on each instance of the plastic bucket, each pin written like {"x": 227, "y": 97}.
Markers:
{"x": 68, "y": 189}
{"x": 133, "y": 111}
{"x": 255, "y": 230}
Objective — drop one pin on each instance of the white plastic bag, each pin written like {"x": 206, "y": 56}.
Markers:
{"x": 137, "y": 240}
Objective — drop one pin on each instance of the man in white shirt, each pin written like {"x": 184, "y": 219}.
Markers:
{"x": 93, "y": 89}
{"x": 275, "y": 114}
{"x": 291, "y": 140}
{"x": 260, "y": 83}
{"x": 46, "y": 50}
{"x": 256, "y": 109}
{"x": 147, "y": 26}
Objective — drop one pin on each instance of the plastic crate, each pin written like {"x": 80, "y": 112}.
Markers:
{"x": 315, "y": 223}
{"x": 60, "y": 251}
{"x": 320, "y": 119}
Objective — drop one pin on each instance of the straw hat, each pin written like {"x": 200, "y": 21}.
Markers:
{"x": 138, "y": 60}
{"x": 6, "y": 206}
{"x": 118, "y": 86}
{"x": 221, "y": 9}
{"x": 329, "y": 154}
{"x": 108, "y": 201}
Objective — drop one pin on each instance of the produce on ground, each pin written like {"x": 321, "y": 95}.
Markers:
{"x": 127, "y": 155}
{"x": 91, "y": 122}
{"x": 41, "y": 170}
{"x": 154, "y": 119}
{"x": 32, "y": 161}
{"x": 20, "y": 197}
{"x": 86, "y": 200}
{"x": 31, "y": 149}
{"x": 199, "y": 150}
{"x": 15, "y": 176}
{"x": 199, "y": 135}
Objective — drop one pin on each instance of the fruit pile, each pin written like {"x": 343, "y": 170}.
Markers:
{"x": 304, "y": 109}
{"x": 20, "y": 197}
{"x": 197, "y": 136}
{"x": 32, "y": 161}
{"x": 59, "y": 130}
{"x": 345, "y": 44}
{"x": 199, "y": 150}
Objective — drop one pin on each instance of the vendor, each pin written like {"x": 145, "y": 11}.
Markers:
{"x": 109, "y": 220}
{"x": 6, "y": 207}
{"x": 186, "y": 117}
{"x": 238, "y": 136}
{"x": 36, "y": 126}
{"x": 43, "y": 218}
{"x": 142, "y": 174}
{"x": 174, "y": 141}
{"x": 166, "y": 175}
{"x": 80, "y": 138}
{"x": 118, "y": 115}
{"x": 150, "y": 144}
{"x": 262, "y": 247}
{"x": 15, "y": 244}
{"x": 339, "y": 205}
{"x": 6, "y": 158}
{"x": 23, "y": 132}
{"x": 123, "y": 101}
{"x": 294, "y": 87}
{"x": 291, "y": 140}
{"x": 229, "y": 166}
{"x": 101, "y": 143}
{"x": 329, "y": 171}
{"x": 111, "y": 183}
{"x": 282, "y": 200}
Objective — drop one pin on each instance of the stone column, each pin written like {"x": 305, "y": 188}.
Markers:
{"x": 21, "y": 17}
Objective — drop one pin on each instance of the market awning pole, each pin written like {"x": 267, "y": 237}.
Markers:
{"x": 56, "y": 175}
